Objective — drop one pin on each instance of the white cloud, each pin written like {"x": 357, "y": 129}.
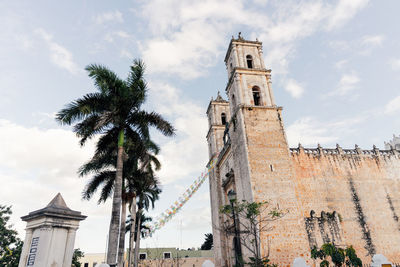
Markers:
{"x": 59, "y": 55}
{"x": 112, "y": 16}
{"x": 340, "y": 64}
{"x": 344, "y": 11}
{"x": 348, "y": 82}
{"x": 395, "y": 64}
{"x": 125, "y": 53}
{"x": 186, "y": 154}
{"x": 309, "y": 131}
{"x": 393, "y": 106}
{"x": 36, "y": 164}
{"x": 295, "y": 89}
{"x": 373, "y": 40}
{"x": 109, "y": 37}
{"x": 186, "y": 38}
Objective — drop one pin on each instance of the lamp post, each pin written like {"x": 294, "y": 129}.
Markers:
{"x": 238, "y": 249}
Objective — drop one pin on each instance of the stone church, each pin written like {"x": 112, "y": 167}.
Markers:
{"x": 345, "y": 196}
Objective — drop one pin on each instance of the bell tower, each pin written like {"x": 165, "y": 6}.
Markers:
{"x": 261, "y": 162}
{"x": 249, "y": 82}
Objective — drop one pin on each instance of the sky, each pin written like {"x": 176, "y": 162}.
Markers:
{"x": 335, "y": 70}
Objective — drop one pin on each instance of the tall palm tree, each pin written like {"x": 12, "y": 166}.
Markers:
{"x": 114, "y": 111}
{"x": 148, "y": 193}
{"x": 102, "y": 165}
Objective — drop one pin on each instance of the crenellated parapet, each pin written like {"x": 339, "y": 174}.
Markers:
{"x": 342, "y": 151}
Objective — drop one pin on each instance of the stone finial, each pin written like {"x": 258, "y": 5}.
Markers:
{"x": 320, "y": 150}
{"x": 339, "y": 149}
{"x": 301, "y": 148}
{"x": 376, "y": 150}
{"x": 57, "y": 202}
{"x": 394, "y": 150}
{"x": 357, "y": 148}
{"x": 219, "y": 98}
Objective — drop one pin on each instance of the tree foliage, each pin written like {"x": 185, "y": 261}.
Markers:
{"x": 115, "y": 113}
{"x": 253, "y": 218}
{"x": 10, "y": 244}
{"x": 338, "y": 256}
{"x": 208, "y": 242}
{"x": 76, "y": 256}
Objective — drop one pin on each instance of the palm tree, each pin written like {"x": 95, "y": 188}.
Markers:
{"x": 144, "y": 228}
{"x": 102, "y": 165}
{"x": 114, "y": 112}
{"x": 148, "y": 193}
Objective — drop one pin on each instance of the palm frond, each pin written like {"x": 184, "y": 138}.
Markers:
{"x": 92, "y": 103}
{"x": 101, "y": 178}
{"x": 154, "y": 119}
{"x": 105, "y": 80}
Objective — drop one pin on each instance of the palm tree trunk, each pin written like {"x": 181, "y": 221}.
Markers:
{"x": 137, "y": 244}
{"x": 121, "y": 246}
{"x": 116, "y": 206}
{"x": 132, "y": 232}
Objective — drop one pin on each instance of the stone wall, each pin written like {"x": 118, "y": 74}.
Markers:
{"x": 361, "y": 188}
{"x": 272, "y": 179}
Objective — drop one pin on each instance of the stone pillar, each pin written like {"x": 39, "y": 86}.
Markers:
{"x": 50, "y": 235}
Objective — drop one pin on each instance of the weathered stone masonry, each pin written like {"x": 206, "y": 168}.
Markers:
{"x": 345, "y": 196}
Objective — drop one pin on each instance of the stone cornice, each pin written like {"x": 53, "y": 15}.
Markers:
{"x": 239, "y": 70}
{"x": 214, "y": 126}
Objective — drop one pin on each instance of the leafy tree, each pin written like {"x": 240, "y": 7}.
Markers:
{"x": 114, "y": 112}
{"x": 76, "y": 256}
{"x": 339, "y": 256}
{"x": 10, "y": 244}
{"x": 208, "y": 242}
{"x": 253, "y": 219}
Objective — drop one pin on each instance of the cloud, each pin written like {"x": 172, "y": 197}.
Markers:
{"x": 294, "y": 88}
{"x": 109, "y": 37}
{"x": 340, "y": 64}
{"x": 395, "y": 64}
{"x": 36, "y": 164}
{"x": 393, "y": 106}
{"x": 309, "y": 131}
{"x": 126, "y": 54}
{"x": 185, "y": 36}
{"x": 373, "y": 40}
{"x": 348, "y": 82}
{"x": 343, "y": 12}
{"x": 59, "y": 55}
{"x": 112, "y": 16}
{"x": 186, "y": 154}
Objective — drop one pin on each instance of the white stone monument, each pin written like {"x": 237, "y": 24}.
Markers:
{"x": 50, "y": 235}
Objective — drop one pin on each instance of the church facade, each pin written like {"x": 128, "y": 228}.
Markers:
{"x": 344, "y": 196}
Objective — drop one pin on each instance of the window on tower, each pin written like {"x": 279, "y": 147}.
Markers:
{"x": 256, "y": 96}
{"x": 249, "y": 60}
{"x": 223, "y": 118}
